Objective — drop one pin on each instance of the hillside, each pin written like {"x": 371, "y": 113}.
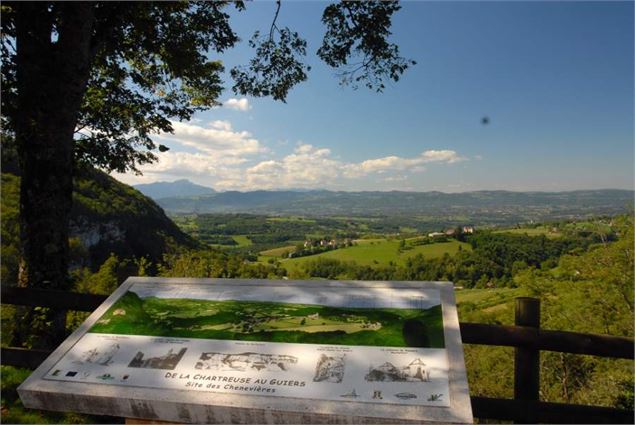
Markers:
{"x": 178, "y": 188}
{"x": 107, "y": 216}
{"x": 484, "y": 207}
{"x": 379, "y": 252}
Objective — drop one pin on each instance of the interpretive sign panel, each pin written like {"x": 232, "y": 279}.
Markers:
{"x": 196, "y": 350}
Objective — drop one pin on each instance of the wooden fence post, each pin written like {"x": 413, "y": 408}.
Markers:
{"x": 527, "y": 359}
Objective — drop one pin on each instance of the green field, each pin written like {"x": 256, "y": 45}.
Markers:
{"x": 532, "y": 231}
{"x": 291, "y": 219}
{"x": 242, "y": 240}
{"x": 484, "y": 298}
{"x": 495, "y": 304}
{"x": 273, "y": 322}
{"x": 380, "y": 252}
{"x": 278, "y": 252}
{"x": 405, "y": 229}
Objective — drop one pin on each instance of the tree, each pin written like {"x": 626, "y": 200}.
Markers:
{"x": 87, "y": 83}
{"x": 105, "y": 281}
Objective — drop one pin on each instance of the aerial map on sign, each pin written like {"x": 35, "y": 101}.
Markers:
{"x": 373, "y": 344}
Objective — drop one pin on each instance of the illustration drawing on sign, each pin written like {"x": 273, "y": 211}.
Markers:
{"x": 246, "y": 361}
{"x": 167, "y": 361}
{"x": 414, "y": 372}
{"x": 329, "y": 368}
{"x": 97, "y": 357}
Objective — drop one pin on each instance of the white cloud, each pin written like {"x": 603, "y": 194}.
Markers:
{"x": 398, "y": 178}
{"x": 221, "y": 125}
{"x": 311, "y": 167}
{"x": 396, "y": 163}
{"x": 265, "y": 167}
{"x": 183, "y": 163}
{"x": 217, "y": 151}
{"x": 217, "y": 155}
{"x": 219, "y": 140}
{"x": 197, "y": 167}
{"x": 441, "y": 156}
{"x": 237, "y": 104}
{"x": 307, "y": 167}
{"x": 303, "y": 148}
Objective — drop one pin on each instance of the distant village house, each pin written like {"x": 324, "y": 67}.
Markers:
{"x": 452, "y": 232}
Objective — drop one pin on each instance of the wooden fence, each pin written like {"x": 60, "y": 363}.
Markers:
{"x": 526, "y": 336}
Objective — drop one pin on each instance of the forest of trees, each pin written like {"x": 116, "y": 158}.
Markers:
{"x": 493, "y": 261}
{"x": 585, "y": 282}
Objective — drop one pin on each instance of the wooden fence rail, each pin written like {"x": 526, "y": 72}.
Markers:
{"x": 526, "y": 336}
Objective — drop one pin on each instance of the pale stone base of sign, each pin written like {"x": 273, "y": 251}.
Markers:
{"x": 133, "y": 421}
{"x": 158, "y": 412}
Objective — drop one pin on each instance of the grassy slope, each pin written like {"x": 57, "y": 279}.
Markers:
{"x": 533, "y": 231}
{"x": 242, "y": 240}
{"x": 486, "y": 298}
{"x": 278, "y": 252}
{"x": 490, "y": 368}
{"x": 379, "y": 251}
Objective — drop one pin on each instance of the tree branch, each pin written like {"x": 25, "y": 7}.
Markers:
{"x": 273, "y": 24}
{"x": 351, "y": 16}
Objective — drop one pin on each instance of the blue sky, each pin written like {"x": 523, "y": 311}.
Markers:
{"x": 555, "y": 79}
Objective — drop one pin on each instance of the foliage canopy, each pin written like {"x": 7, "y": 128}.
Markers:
{"x": 153, "y": 62}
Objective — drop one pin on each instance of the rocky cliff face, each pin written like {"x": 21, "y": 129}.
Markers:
{"x": 93, "y": 234}
{"x": 107, "y": 217}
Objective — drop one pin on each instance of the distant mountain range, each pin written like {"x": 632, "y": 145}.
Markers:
{"x": 481, "y": 206}
{"x": 178, "y": 188}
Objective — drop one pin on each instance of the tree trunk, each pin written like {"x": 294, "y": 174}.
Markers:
{"x": 52, "y": 75}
